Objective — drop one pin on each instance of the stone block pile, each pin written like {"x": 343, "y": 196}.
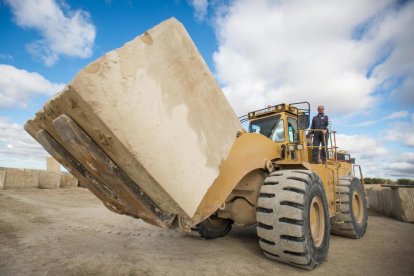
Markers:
{"x": 11, "y": 178}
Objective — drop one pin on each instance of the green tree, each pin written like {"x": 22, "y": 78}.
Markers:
{"x": 368, "y": 180}
{"x": 404, "y": 181}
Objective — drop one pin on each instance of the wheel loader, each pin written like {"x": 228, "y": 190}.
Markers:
{"x": 149, "y": 132}
{"x": 296, "y": 204}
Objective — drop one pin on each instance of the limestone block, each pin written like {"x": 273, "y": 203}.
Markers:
{"x": 21, "y": 178}
{"x": 49, "y": 180}
{"x": 52, "y": 165}
{"x": 68, "y": 181}
{"x": 406, "y": 196}
{"x": 382, "y": 201}
{"x": 2, "y": 179}
{"x": 395, "y": 202}
{"x": 155, "y": 109}
{"x": 82, "y": 184}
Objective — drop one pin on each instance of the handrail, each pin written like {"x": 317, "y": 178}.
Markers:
{"x": 360, "y": 173}
{"x": 243, "y": 118}
{"x": 304, "y": 110}
{"x": 331, "y": 152}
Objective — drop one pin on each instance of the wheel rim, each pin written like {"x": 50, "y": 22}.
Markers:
{"x": 357, "y": 207}
{"x": 317, "y": 221}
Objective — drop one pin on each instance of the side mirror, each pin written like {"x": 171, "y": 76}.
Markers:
{"x": 352, "y": 160}
{"x": 303, "y": 121}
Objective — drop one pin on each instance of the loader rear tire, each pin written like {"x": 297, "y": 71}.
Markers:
{"x": 292, "y": 218}
{"x": 214, "y": 227}
{"x": 352, "y": 221}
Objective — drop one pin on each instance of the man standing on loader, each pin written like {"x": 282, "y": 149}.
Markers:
{"x": 319, "y": 128}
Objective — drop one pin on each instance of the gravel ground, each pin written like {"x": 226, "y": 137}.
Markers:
{"x": 70, "y": 232}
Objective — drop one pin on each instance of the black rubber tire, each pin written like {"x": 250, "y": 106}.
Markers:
{"x": 214, "y": 227}
{"x": 345, "y": 223}
{"x": 283, "y": 217}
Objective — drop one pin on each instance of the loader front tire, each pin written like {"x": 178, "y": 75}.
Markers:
{"x": 292, "y": 218}
{"x": 352, "y": 221}
{"x": 214, "y": 227}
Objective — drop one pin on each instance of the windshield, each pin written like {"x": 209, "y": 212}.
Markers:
{"x": 267, "y": 126}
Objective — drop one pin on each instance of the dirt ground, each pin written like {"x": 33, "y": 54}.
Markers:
{"x": 69, "y": 232}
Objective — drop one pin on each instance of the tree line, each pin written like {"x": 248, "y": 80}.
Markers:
{"x": 401, "y": 181}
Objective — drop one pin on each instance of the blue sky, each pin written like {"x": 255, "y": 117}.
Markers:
{"x": 354, "y": 57}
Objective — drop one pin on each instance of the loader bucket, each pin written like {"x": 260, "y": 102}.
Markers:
{"x": 147, "y": 129}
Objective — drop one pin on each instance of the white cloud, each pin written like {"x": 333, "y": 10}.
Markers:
{"x": 376, "y": 160}
{"x": 18, "y": 86}
{"x": 397, "y": 115}
{"x": 63, "y": 31}
{"x": 400, "y": 166}
{"x": 18, "y": 148}
{"x": 402, "y": 132}
{"x": 365, "y": 123}
{"x": 361, "y": 146}
{"x": 289, "y": 51}
{"x": 395, "y": 32}
{"x": 6, "y": 57}
{"x": 200, "y": 8}
{"x": 369, "y": 153}
{"x": 407, "y": 157}
{"x": 400, "y": 169}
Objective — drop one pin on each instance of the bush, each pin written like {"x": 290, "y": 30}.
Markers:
{"x": 404, "y": 181}
{"x": 368, "y": 180}
{"x": 375, "y": 180}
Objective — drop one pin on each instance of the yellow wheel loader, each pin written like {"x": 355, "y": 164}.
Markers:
{"x": 148, "y": 131}
{"x": 297, "y": 203}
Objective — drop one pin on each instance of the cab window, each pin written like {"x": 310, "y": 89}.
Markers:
{"x": 278, "y": 134}
{"x": 264, "y": 126}
{"x": 293, "y": 130}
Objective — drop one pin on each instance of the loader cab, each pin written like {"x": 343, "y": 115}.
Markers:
{"x": 280, "y": 123}
{"x": 284, "y": 124}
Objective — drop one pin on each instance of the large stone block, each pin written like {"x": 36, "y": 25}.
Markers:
{"x": 406, "y": 196}
{"x": 52, "y": 165}
{"x": 68, "y": 181}
{"x": 155, "y": 110}
{"x": 21, "y": 178}
{"x": 2, "y": 179}
{"x": 395, "y": 202}
{"x": 49, "y": 180}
